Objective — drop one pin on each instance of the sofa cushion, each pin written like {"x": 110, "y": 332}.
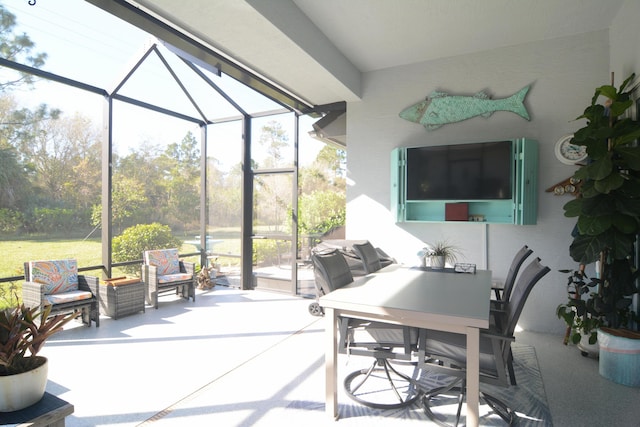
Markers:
{"x": 57, "y": 276}
{"x": 180, "y": 277}
{"x": 166, "y": 260}
{"x": 70, "y": 296}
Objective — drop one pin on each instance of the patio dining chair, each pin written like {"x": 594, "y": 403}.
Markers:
{"x": 503, "y": 294}
{"x": 57, "y": 283}
{"x": 163, "y": 272}
{"x": 446, "y": 352}
{"x": 382, "y": 341}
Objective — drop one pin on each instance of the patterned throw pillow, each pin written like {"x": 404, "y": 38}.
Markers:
{"x": 57, "y": 276}
{"x": 165, "y": 259}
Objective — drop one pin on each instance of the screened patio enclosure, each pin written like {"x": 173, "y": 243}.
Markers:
{"x": 242, "y": 146}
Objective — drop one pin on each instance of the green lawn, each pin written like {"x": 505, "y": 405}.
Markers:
{"x": 16, "y": 252}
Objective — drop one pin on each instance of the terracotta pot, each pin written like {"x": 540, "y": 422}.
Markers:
{"x": 22, "y": 390}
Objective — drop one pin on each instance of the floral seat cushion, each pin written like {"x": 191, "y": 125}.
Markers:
{"x": 169, "y": 278}
{"x": 57, "y": 276}
{"x": 70, "y": 296}
{"x": 166, "y": 260}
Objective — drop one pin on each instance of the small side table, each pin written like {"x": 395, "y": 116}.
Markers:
{"x": 50, "y": 411}
{"x": 121, "y": 300}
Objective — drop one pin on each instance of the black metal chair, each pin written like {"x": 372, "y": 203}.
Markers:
{"x": 446, "y": 352}
{"x": 503, "y": 294}
{"x": 382, "y": 341}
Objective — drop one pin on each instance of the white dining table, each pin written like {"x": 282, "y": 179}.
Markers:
{"x": 412, "y": 296}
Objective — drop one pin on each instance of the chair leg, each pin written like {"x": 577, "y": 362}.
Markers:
{"x": 412, "y": 390}
{"x": 498, "y": 407}
{"x": 512, "y": 374}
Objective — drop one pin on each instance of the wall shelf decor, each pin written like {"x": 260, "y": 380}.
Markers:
{"x": 498, "y": 188}
{"x": 440, "y": 108}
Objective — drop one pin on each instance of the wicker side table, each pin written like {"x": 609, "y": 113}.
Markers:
{"x": 122, "y": 299}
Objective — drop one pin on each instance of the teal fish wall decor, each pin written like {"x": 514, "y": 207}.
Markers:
{"x": 441, "y": 108}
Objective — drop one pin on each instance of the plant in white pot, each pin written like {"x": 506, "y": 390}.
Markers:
{"x": 580, "y": 315}
{"x": 23, "y": 374}
{"x": 440, "y": 254}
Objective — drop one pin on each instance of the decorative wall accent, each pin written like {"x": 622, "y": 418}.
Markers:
{"x": 441, "y": 108}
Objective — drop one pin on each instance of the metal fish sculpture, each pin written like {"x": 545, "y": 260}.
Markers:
{"x": 441, "y": 108}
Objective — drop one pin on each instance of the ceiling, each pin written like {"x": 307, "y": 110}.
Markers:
{"x": 317, "y": 50}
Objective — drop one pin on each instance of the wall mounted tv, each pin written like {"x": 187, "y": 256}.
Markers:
{"x": 479, "y": 171}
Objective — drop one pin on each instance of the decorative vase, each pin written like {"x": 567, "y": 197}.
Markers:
{"x": 21, "y": 390}
{"x": 437, "y": 262}
{"x": 620, "y": 356}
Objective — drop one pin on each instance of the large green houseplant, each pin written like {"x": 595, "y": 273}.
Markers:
{"x": 607, "y": 209}
{"x": 23, "y": 333}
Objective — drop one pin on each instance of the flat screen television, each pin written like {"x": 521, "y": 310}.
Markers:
{"x": 478, "y": 171}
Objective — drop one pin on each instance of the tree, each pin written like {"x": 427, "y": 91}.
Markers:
{"x": 322, "y": 192}
{"x": 272, "y": 195}
{"x": 15, "y": 187}
{"x": 17, "y": 48}
{"x": 275, "y": 138}
{"x": 181, "y": 166}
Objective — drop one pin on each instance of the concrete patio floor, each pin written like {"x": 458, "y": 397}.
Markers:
{"x": 238, "y": 358}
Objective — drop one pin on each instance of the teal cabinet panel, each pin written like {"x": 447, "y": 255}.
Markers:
{"x": 520, "y": 209}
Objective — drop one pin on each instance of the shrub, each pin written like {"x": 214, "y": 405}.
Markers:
{"x": 10, "y": 220}
{"x": 133, "y": 241}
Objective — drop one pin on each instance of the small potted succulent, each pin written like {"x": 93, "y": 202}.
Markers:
{"x": 23, "y": 374}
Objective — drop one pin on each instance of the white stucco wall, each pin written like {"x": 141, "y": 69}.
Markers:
{"x": 563, "y": 74}
{"x": 625, "y": 42}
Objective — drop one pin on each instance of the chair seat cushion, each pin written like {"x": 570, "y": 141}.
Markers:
{"x": 64, "y": 297}
{"x": 180, "y": 277}
{"x": 57, "y": 276}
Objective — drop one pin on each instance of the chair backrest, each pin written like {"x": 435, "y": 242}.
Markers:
{"x": 369, "y": 256}
{"x": 331, "y": 271}
{"x": 57, "y": 276}
{"x": 166, "y": 260}
{"x": 529, "y": 277}
{"x": 516, "y": 263}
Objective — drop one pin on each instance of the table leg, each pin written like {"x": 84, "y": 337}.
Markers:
{"x": 331, "y": 363}
{"x": 473, "y": 376}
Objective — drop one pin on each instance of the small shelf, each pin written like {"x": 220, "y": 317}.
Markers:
{"x": 491, "y": 211}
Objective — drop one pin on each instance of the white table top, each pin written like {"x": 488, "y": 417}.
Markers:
{"x": 415, "y": 296}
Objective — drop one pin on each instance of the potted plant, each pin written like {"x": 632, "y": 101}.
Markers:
{"x": 607, "y": 206}
{"x": 440, "y": 253}
{"x": 23, "y": 374}
{"x": 580, "y": 315}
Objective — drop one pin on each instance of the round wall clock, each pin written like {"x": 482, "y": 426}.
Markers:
{"x": 569, "y": 153}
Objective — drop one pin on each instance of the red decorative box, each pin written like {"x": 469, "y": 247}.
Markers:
{"x": 456, "y": 212}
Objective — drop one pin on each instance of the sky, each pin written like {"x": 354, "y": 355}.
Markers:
{"x": 86, "y": 44}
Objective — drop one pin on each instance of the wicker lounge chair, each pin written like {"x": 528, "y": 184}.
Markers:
{"x": 163, "y": 272}
{"x": 57, "y": 283}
